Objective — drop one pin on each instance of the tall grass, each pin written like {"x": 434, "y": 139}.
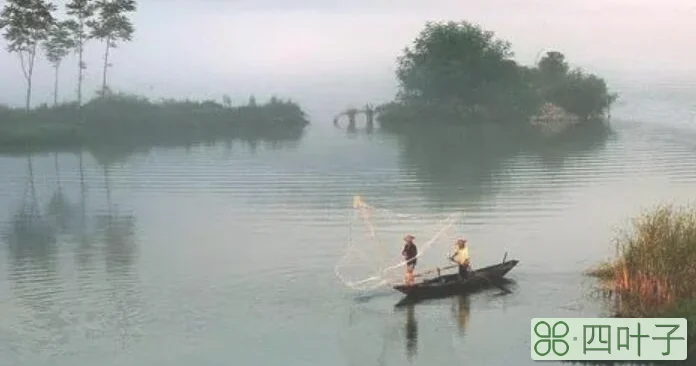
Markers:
{"x": 656, "y": 266}
{"x": 653, "y": 274}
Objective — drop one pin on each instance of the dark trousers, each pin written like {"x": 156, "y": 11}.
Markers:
{"x": 463, "y": 271}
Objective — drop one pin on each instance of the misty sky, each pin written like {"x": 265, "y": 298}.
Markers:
{"x": 319, "y": 51}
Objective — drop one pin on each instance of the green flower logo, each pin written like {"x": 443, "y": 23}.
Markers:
{"x": 551, "y": 338}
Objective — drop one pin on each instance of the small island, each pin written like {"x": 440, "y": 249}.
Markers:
{"x": 120, "y": 119}
{"x": 459, "y": 73}
{"x": 33, "y": 29}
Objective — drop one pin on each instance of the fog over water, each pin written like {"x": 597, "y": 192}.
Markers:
{"x": 329, "y": 54}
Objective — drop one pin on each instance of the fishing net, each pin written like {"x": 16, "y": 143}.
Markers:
{"x": 375, "y": 240}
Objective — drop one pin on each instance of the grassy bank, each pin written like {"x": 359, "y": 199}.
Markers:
{"x": 653, "y": 274}
{"x": 132, "y": 120}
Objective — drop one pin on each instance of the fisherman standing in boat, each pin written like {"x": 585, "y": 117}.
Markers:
{"x": 461, "y": 257}
{"x": 410, "y": 252}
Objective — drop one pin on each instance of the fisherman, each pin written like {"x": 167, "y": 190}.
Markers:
{"x": 410, "y": 252}
{"x": 461, "y": 257}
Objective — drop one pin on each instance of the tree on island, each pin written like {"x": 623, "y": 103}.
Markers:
{"x": 57, "y": 46}
{"x": 26, "y": 25}
{"x": 552, "y": 67}
{"x": 112, "y": 26}
{"x": 81, "y": 14}
{"x": 464, "y": 70}
{"x": 453, "y": 60}
{"x": 133, "y": 120}
{"x": 575, "y": 91}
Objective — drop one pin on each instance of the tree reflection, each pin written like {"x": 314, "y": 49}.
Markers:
{"x": 465, "y": 164}
{"x": 115, "y": 228}
{"x": 60, "y": 210}
{"x": 31, "y": 241}
{"x": 85, "y": 247}
{"x": 30, "y": 237}
{"x": 98, "y": 231}
{"x": 118, "y": 234}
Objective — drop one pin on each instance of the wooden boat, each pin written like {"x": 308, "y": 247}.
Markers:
{"x": 451, "y": 284}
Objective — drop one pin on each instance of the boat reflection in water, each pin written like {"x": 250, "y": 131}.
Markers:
{"x": 460, "y": 307}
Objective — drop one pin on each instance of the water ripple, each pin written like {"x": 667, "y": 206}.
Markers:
{"x": 176, "y": 250}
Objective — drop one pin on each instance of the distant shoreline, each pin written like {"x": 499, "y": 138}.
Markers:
{"x": 128, "y": 120}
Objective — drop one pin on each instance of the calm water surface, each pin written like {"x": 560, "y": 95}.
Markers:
{"x": 224, "y": 255}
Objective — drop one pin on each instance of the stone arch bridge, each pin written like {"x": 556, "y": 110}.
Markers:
{"x": 351, "y": 115}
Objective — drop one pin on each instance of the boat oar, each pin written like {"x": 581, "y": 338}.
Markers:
{"x": 435, "y": 270}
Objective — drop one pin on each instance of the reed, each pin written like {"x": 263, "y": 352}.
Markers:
{"x": 603, "y": 271}
{"x": 653, "y": 273}
{"x": 657, "y": 261}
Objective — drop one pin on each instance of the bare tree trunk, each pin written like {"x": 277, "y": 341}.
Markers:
{"x": 29, "y": 72}
{"x": 81, "y": 66}
{"x": 30, "y": 75}
{"x": 79, "y": 78}
{"x": 55, "y": 85}
{"x": 106, "y": 65}
{"x": 27, "y": 99}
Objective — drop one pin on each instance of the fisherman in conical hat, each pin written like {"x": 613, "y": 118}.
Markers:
{"x": 410, "y": 252}
{"x": 461, "y": 257}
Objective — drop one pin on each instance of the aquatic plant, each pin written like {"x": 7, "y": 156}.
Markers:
{"x": 652, "y": 275}
{"x": 656, "y": 264}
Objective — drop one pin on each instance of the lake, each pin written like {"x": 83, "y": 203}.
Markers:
{"x": 224, "y": 254}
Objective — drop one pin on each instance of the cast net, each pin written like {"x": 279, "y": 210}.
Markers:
{"x": 375, "y": 239}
